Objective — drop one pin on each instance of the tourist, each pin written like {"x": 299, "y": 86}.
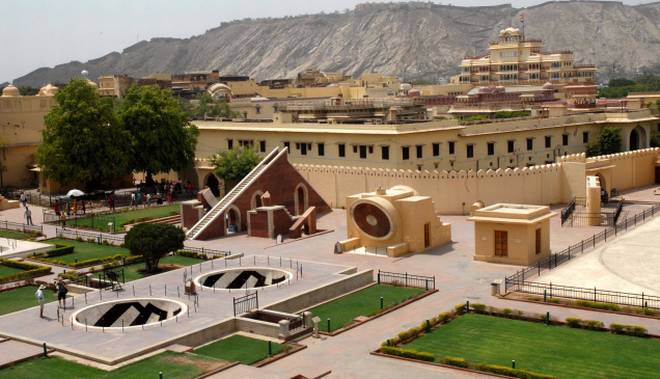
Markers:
{"x": 61, "y": 293}
{"x": 74, "y": 207}
{"x": 133, "y": 200}
{"x": 56, "y": 208}
{"x": 111, "y": 201}
{"x": 63, "y": 220}
{"x": 28, "y": 216}
{"x": 23, "y": 199}
{"x": 82, "y": 204}
{"x": 40, "y": 299}
{"x": 148, "y": 199}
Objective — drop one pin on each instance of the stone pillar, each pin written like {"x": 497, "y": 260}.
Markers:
{"x": 284, "y": 329}
{"x": 593, "y": 200}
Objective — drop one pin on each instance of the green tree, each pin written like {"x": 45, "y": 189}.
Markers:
{"x": 233, "y": 165}
{"x": 609, "y": 142}
{"x": 163, "y": 140}
{"x": 84, "y": 144}
{"x": 206, "y": 106}
{"x": 154, "y": 241}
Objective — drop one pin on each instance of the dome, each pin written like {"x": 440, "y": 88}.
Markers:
{"x": 10, "y": 91}
{"x": 547, "y": 85}
{"x": 91, "y": 83}
{"x": 510, "y": 30}
{"x": 48, "y": 90}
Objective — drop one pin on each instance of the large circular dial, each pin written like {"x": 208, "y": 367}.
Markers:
{"x": 372, "y": 220}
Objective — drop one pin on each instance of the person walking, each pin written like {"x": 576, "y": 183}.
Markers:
{"x": 133, "y": 200}
{"x": 63, "y": 220}
{"x": 82, "y": 204}
{"x": 56, "y": 208}
{"x": 61, "y": 293}
{"x": 23, "y": 199}
{"x": 40, "y": 299}
{"x": 28, "y": 216}
{"x": 74, "y": 207}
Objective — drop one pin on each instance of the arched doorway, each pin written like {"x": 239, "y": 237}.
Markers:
{"x": 233, "y": 220}
{"x": 256, "y": 200}
{"x": 638, "y": 139}
{"x": 300, "y": 198}
{"x": 213, "y": 183}
{"x": 604, "y": 191}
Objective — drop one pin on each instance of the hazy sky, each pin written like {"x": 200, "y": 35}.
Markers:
{"x": 37, "y": 33}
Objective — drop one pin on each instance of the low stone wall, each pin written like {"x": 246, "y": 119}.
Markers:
{"x": 326, "y": 292}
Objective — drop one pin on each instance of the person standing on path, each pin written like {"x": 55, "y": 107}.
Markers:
{"x": 40, "y": 299}
{"x": 63, "y": 220}
{"x": 61, "y": 293}
{"x": 23, "y": 199}
{"x": 28, "y": 216}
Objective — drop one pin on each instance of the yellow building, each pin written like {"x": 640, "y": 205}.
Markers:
{"x": 432, "y": 145}
{"x": 512, "y": 233}
{"x": 513, "y": 59}
{"x": 114, "y": 85}
{"x": 21, "y": 124}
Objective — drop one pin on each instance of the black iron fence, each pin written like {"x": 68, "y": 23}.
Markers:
{"x": 587, "y": 244}
{"x": 25, "y": 228}
{"x": 89, "y": 236}
{"x": 568, "y": 211}
{"x": 406, "y": 280}
{"x": 246, "y": 303}
{"x": 108, "y": 278}
{"x": 549, "y": 291}
{"x": 206, "y": 251}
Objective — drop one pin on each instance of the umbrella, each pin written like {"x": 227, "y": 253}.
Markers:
{"x": 75, "y": 193}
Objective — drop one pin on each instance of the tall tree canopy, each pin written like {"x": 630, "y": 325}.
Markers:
{"x": 163, "y": 140}
{"x": 153, "y": 241}
{"x": 233, "y": 165}
{"x": 609, "y": 142}
{"x": 84, "y": 144}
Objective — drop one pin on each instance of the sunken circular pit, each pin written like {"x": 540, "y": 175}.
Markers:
{"x": 243, "y": 277}
{"x": 129, "y": 313}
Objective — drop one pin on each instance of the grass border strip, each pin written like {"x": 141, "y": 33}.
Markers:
{"x": 571, "y": 306}
{"x": 382, "y": 313}
{"x": 437, "y": 364}
{"x": 295, "y": 347}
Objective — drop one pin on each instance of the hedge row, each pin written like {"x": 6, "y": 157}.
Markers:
{"x": 513, "y": 372}
{"x": 631, "y": 330}
{"x": 191, "y": 254}
{"x": 58, "y": 251}
{"x": 424, "y": 327}
{"x": 407, "y": 353}
{"x": 31, "y": 270}
{"x": 574, "y": 322}
{"x": 90, "y": 262}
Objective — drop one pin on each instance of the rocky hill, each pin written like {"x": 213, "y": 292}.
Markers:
{"x": 411, "y": 40}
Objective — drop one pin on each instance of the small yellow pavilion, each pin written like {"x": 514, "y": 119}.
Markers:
{"x": 515, "y": 234}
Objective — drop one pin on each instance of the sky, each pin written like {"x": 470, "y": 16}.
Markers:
{"x": 38, "y": 33}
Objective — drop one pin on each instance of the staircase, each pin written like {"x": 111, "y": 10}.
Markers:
{"x": 220, "y": 208}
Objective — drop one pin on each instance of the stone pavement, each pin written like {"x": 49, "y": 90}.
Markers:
{"x": 13, "y": 351}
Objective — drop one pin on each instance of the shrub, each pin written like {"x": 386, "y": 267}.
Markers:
{"x": 58, "y": 251}
{"x": 30, "y": 270}
{"x": 479, "y": 308}
{"x": 631, "y": 330}
{"x": 410, "y": 333}
{"x": 70, "y": 275}
{"x": 407, "y": 353}
{"x": 453, "y": 361}
{"x": 459, "y": 309}
{"x": 598, "y": 305}
{"x": 444, "y": 317}
{"x": 191, "y": 254}
{"x": 513, "y": 372}
{"x": 584, "y": 324}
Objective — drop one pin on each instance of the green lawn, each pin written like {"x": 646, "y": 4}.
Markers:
{"x": 16, "y": 235}
{"x": 119, "y": 219}
{"x": 85, "y": 250}
{"x": 365, "y": 302}
{"x": 22, "y": 298}
{"x": 172, "y": 365}
{"x": 239, "y": 348}
{"x": 6, "y": 270}
{"x": 134, "y": 271}
{"x": 556, "y": 350}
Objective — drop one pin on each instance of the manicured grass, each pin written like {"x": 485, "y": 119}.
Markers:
{"x": 555, "y": 350}
{"x": 134, "y": 271}
{"x": 85, "y": 250}
{"x": 22, "y": 298}
{"x": 6, "y": 270}
{"x": 173, "y": 366}
{"x": 239, "y": 348}
{"x": 119, "y": 219}
{"x": 13, "y": 234}
{"x": 366, "y": 302}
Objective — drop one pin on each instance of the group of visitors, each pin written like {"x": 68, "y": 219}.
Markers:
{"x": 61, "y": 290}
{"x": 69, "y": 207}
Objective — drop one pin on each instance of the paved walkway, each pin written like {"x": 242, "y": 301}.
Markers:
{"x": 12, "y": 351}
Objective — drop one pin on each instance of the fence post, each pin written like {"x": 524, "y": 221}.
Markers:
{"x": 378, "y": 279}
{"x": 594, "y": 239}
{"x": 406, "y": 279}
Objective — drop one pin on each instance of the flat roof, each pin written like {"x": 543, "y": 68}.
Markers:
{"x": 512, "y": 213}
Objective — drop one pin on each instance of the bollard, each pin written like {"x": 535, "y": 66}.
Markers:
{"x": 85, "y": 325}
{"x": 280, "y": 261}
{"x": 328, "y": 325}
{"x": 45, "y": 350}
{"x": 545, "y": 296}
{"x": 122, "y": 326}
{"x": 381, "y": 302}
{"x": 270, "y": 348}
{"x": 133, "y": 290}
{"x": 85, "y": 297}
{"x": 165, "y": 289}
{"x": 467, "y": 306}
{"x": 160, "y": 375}
{"x": 149, "y": 289}
{"x": 547, "y": 318}
{"x": 254, "y": 260}
{"x": 513, "y": 363}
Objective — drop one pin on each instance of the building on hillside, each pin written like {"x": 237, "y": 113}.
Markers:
{"x": 114, "y": 85}
{"x": 513, "y": 60}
